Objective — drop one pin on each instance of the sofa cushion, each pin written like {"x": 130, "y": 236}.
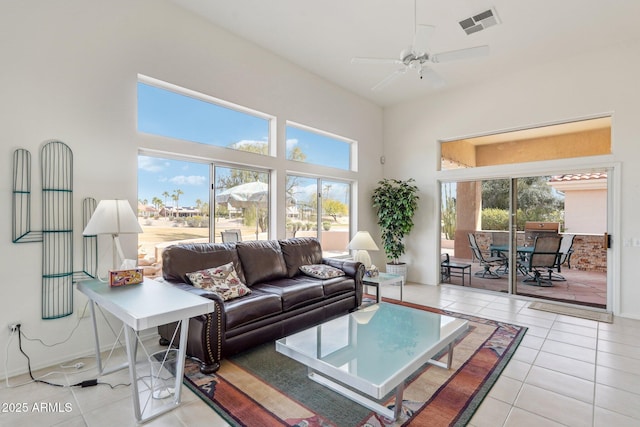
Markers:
{"x": 338, "y": 285}
{"x": 222, "y": 280}
{"x": 296, "y": 292}
{"x": 300, "y": 251}
{"x": 251, "y": 308}
{"x": 262, "y": 260}
{"x": 321, "y": 271}
{"x": 178, "y": 260}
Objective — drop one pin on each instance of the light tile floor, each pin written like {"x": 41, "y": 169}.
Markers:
{"x": 566, "y": 372}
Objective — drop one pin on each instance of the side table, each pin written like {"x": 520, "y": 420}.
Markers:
{"x": 143, "y": 306}
{"x": 384, "y": 279}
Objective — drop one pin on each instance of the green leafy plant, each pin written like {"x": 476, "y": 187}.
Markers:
{"x": 448, "y": 213}
{"x": 395, "y": 202}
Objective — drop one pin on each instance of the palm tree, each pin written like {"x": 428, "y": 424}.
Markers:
{"x": 157, "y": 203}
{"x": 166, "y": 196}
{"x": 176, "y": 198}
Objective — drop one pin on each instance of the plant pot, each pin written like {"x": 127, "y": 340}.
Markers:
{"x": 399, "y": 269}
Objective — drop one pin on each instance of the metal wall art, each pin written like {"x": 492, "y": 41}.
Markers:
{"x": 56, "y": 163}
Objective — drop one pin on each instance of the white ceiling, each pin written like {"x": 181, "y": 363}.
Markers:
{"x": 323, "y": 36}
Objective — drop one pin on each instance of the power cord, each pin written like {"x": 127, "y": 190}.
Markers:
{"x": 84, "y": 310}
{"x": 83, "y": 384}
{"x": 29, "y": 362}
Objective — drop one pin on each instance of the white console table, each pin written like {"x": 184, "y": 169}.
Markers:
{"x": 142, "y": 306}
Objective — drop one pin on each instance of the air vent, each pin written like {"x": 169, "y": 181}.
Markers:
{"x": 479, "y": 22}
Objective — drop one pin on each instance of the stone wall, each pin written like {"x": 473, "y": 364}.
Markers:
{"x": 589, "y": 253}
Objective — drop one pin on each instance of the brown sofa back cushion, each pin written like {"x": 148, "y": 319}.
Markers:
{"x": 300, "y": 251}
{"x": 262, "y": 260}
{"x": 178, "y": 260}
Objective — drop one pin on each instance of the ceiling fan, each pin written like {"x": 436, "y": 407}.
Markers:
{"x": 417, "y": 57}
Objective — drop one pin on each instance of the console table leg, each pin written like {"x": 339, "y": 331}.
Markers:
{"x": 130, "y": 337}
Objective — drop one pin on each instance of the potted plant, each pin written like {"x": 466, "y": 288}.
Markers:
{"x": 395, "y": 202}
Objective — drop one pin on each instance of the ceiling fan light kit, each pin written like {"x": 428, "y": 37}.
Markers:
{"x": 417, "y": 57}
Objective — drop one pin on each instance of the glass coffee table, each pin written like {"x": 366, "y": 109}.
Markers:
{"x": 371, "y": 352}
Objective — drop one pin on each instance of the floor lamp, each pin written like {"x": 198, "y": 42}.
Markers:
{"x": 113, "y": 217}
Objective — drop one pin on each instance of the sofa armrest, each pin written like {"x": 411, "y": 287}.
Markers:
{"x": 196, "y": 291}
{"x": 349, "y": 267}
{"x": 206, "y": 332}
{"x": 354, "y": 269}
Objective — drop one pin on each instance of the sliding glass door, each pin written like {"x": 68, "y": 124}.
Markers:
{"x": 506, "y": 217}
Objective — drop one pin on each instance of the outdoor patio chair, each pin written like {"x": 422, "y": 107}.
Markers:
{"x": 487, "y": 263}
{"x": 543, "y": 258}
{"x": 566, "y": 249}
{"x": 233, "y": 235}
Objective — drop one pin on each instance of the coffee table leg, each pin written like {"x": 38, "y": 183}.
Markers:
{"x": 449, "y": 355}
{"x": 360, "y": 398}
{"x": 397, "y": 411}
{"x": 449, "y": 358}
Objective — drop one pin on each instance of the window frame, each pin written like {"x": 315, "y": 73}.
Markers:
{"x": 351, "y": 144}
{"x": 276, "y": 164}
{"x": 319, "y": 181}
{"x": 182, "y": 91}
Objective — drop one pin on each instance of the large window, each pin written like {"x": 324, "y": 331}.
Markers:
{"x": 242, "y": 204}
{"x": 308, "y": 196}
{"x": 190, "y": 190}
{"x": 173, "y": 206}
{"x": 562, "y": 141}
{"x": 176, "y": 205}
{"x": 199, "y": 119}
{"x": 312, "y": 146}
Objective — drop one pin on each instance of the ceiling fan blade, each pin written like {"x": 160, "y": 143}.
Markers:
{"x": 432, "y": 78}
{"x": 391, "y": 77}
{"x": 375, "y": 61}
{"x": 421, "y": 39}
{"x": 454, "y": 55}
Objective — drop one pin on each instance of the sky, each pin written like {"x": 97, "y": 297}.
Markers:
{"x": 174, "y": 115}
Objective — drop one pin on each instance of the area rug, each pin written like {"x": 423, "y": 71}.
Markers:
{"x": 261, "y": 387}
{"x": 598, "y": 316}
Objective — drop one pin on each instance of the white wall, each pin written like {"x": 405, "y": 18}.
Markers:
{"x": 581, "y": 86}
{"x": 585, "y": 211}
{"x": 69, "y": 72}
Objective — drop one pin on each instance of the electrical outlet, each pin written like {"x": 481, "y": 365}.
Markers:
{"x": 13, "y": 327}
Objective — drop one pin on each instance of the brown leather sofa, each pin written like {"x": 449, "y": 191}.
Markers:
{"x": 282, "y": 299}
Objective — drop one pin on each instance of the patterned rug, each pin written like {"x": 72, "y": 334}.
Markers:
{"x": 261, "y": 387}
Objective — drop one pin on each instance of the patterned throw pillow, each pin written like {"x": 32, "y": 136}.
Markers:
{"x": 222, "y": 280}
{"x": 321, "y": 271}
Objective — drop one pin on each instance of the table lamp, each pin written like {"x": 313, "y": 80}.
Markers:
{"x": 361, "y": 243}
{"x": 113, "y": 217}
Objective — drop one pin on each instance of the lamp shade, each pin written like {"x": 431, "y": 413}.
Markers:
{"x": 362, "y": 241}
{"x": 112, "y": 217}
